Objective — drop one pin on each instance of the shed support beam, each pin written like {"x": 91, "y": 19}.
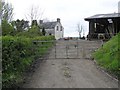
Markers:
{"x": 91, "y": 29}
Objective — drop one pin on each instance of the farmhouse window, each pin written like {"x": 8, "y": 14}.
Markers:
{"x": 61, "y": 28}
{"x": 57, "y": 28}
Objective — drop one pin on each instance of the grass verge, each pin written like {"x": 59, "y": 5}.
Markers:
{"x": 108, "y": 56}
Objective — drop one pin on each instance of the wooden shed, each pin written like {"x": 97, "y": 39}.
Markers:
{"x": 103, "y": 24}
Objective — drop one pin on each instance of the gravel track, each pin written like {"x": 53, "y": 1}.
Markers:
{"x": 73, "y": 69}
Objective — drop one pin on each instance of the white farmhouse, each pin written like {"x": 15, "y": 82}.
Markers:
{"x": 53, "y": 28}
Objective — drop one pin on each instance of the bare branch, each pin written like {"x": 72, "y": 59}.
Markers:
{"x": 6, "y": 11}
{"x": 80, "y": 29}
{"x": 35, "y": 13}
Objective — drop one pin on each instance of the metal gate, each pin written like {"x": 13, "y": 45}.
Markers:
{"x": 67, "y": 49}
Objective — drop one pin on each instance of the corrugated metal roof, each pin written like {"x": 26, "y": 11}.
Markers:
{"x": 99, "y": 16}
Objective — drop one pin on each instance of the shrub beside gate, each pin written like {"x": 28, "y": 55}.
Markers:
{"x": 18, "y": 53}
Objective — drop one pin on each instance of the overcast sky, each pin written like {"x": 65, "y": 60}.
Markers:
{"x": 70, "y": 12}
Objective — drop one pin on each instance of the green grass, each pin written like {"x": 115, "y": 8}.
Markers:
{"x": 108, "y": 56}
{"x": 43, "y": 48}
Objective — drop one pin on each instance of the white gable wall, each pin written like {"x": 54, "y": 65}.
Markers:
{"x": 59, "y": 32}
{"x": 50, "y": 31}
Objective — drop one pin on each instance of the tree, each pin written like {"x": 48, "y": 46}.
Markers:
{"x": 0, "y": 15}
{"x": 20, "y": 25}
{"x": 34, "y": 22}
{"x": 34, "y": 31}
{"x": 35, "y": 13}
{"x": 1, "y": 9}
{"x": 6, "y": 11}
{"x": 6, "y": 14}
{"x": 80, "y": 29}
{"x": 43, "y": 31}
{"x": 7, "y": 29}
{"x": 0, "y": 6}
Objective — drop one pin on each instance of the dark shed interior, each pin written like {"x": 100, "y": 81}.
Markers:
{"x": 106, "y": 24}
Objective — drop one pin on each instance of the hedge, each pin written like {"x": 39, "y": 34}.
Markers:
{"x": 18, "y": 53}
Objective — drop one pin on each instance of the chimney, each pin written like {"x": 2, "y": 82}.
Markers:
{"x": 41, "y": 21}
{"x": 58, "y": 20}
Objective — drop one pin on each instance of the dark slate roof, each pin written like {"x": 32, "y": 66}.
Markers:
{"x": 100, "y": 16}
{"x": 49, "y": 25}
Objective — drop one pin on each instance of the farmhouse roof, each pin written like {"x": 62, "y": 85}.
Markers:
{"x": 48, "y": 25}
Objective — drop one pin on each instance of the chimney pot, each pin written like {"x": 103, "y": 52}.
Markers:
{"x": 58, "y": 20}
{"x": 41, "y": 21}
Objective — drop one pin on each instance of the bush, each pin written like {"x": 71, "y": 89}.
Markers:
{"x": 18, "y": 53}
{"x": 15, "y": 54}
{"x": 31, "y": 33}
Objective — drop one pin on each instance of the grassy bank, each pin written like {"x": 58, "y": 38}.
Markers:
{"x": 18, "y": 53}
{"x": 108, "y": 56}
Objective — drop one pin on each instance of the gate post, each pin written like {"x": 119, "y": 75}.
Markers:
{"x": 77, "y": 48}
{"x": 55, "y": 50}
{"x": 67, "y": 51}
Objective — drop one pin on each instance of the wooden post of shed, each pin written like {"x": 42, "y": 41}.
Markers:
{"x": 91, "y": 29}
